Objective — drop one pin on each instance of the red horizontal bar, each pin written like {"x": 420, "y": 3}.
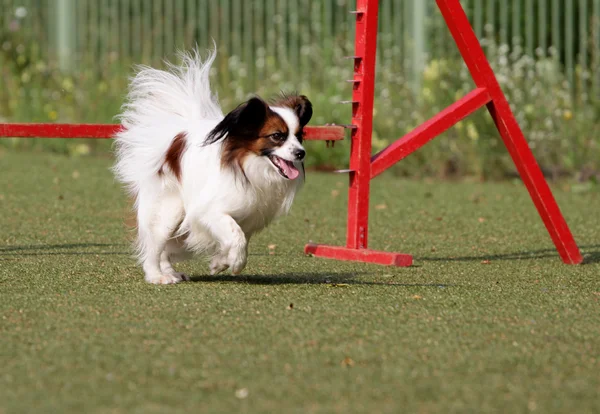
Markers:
{"x": 101, "y": 131}
{"x": 428, "y": 130}
{"x": 358, "y": 255}
{"x": 324, "y": 133}
{"x": 59, "y": 130}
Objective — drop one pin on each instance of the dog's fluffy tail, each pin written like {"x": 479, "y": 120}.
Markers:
{"x": 158, "y": 105}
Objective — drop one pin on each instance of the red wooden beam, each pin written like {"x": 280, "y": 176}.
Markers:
{"x": 59, "y": 130}
{"x": 429, "y": 130}
{"x": 103, "y": 131}
{"x": 324, "y": 133}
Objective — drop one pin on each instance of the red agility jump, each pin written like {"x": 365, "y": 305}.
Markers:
{"x": 364, "y": 166}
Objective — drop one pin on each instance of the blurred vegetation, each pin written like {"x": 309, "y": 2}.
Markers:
{"x": 562, "y": 128}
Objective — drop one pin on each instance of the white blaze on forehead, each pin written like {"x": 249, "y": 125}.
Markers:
{"x": 290, "y": 147}
{"x": 289, "y": 117}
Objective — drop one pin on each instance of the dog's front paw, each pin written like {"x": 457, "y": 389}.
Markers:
{"x": 166, "y": 278}
{"x": 218, "y": 264}
{"x": 237, "y": 260}
{"x": 181, "y": 276}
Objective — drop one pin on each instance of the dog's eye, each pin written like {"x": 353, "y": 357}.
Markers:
{"x": 300, "y": 136}
{"x": 278, "y": 136}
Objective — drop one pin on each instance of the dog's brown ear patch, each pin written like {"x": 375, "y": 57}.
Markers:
{"x": 297, "y": 103}
{"x": 174, "y": 154}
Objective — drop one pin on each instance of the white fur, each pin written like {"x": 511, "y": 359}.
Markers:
{"x": 210, "y": 210}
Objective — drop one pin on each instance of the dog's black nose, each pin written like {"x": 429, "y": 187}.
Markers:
{"x": 299, "y": 154}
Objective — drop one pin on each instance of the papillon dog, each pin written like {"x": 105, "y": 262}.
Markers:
{"x": 205, "y": 182}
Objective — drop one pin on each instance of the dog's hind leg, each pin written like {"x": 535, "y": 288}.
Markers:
{"x": 160, "y": 211}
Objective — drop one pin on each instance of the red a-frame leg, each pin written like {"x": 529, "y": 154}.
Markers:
{"x": 509, "y": 129}
{"x": 364, "y": 167}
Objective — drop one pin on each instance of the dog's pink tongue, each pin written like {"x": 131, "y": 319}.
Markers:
{"x": 289, "y": 170}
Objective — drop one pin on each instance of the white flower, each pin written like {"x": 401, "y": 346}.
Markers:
{"x": 21, "y": 12}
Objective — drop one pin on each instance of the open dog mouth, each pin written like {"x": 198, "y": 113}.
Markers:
{"x": 286, "y": 168}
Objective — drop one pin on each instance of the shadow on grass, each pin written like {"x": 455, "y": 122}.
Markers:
{"x": 67, "y": 249}
{"x": 591, "y": 256}
{"x": 62, "y": 249}
{"x": 332, "y": 279}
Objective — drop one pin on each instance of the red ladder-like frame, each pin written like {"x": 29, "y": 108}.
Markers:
{"x": 364, "y": 167}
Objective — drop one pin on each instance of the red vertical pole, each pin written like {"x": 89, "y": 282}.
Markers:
{"x": 365, "y": 46}
{"x": 509, "y": 129}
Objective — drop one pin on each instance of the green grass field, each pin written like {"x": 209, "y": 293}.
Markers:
{"x": 487, "y": 320}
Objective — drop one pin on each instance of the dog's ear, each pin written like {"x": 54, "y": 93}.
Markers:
{"x": 244, "y": 121}
{"x": 303, "y": 110}
{"x": 297, "y": 103}
{"x": 250, "y": 115}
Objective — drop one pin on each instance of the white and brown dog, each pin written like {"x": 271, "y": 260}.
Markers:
{"x": 204, "y": 182}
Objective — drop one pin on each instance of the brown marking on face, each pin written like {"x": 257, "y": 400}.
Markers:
{"x": 273, "y": 123}
{"x": 261, "y": 142}
{"x": 174, "y": 155}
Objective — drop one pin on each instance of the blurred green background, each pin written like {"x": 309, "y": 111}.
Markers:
{"x": 69, "y": 61}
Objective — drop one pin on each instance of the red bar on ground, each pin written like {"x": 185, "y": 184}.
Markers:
{"x": 429, "y": 130}
{"x": 359, "y": 255}
{"x": 102, "y": 131}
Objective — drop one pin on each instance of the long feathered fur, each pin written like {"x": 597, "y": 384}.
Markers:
{"x": 173, "y": 97}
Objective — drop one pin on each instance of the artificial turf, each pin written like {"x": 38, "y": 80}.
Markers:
{"x": 487, "y": 320}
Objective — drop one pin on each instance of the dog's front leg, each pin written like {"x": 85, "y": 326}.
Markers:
{"x": 232, "y": 240}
